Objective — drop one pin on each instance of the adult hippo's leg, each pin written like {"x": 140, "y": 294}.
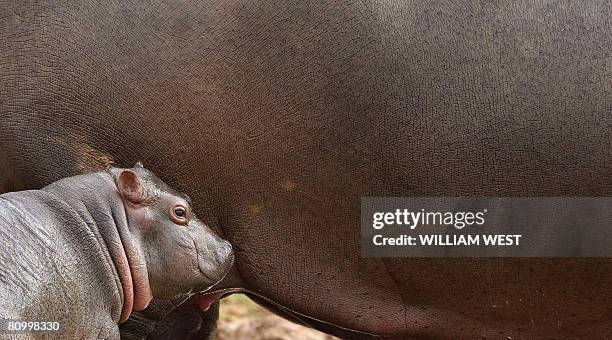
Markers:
{"x": 188, "y": 321}
{"x": 165, "y": 319}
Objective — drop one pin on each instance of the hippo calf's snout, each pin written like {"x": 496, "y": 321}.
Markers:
{"x": 226, "y": 250}
{"x": 224, "y": 254}
{"x": 215, "y": 256}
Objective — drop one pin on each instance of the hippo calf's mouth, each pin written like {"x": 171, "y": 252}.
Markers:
{"x": 204, "y": 301}
{"x": 199, "y": 262}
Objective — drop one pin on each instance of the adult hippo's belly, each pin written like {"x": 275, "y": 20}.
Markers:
{"x": 282, "y": 116}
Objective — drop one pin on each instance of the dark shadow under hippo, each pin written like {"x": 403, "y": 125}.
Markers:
{"x": 87, "y": 250}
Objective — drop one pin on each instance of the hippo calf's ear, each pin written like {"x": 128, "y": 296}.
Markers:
{"x": 130, "y": 187}
{"x": 138, "y": 165}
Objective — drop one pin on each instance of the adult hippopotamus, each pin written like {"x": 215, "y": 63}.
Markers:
{"x": 85, "y": 251}
{"x": 276, "y": 118}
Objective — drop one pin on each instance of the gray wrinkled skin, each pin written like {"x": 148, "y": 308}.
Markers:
{"x": 53, "y": 267}
{"x": 59, "y": 251}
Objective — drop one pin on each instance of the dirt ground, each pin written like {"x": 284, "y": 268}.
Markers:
{"x": 242, "y": 319}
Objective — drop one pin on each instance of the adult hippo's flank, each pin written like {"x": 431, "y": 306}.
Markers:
{"x": 276, "y": 117}
{"x": 87, "y": 250}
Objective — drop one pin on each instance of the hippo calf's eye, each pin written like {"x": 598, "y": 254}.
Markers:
{"x": 180, "y": 214}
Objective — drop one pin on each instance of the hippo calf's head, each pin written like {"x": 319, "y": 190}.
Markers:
{"x": 176, "y": 251}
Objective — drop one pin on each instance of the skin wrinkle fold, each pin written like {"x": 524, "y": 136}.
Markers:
{"x": 137, "y": 269}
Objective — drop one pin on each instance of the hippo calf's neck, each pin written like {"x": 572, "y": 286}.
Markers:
{"x": 95, "y": 199}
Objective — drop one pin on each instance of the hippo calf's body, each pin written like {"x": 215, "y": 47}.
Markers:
{"x": 87, "y": 250}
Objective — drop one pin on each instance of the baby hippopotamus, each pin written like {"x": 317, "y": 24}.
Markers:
{"x": 87, "y": 250}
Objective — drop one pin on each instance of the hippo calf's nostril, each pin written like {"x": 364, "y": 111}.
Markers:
{"x": 224, "y": 251}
